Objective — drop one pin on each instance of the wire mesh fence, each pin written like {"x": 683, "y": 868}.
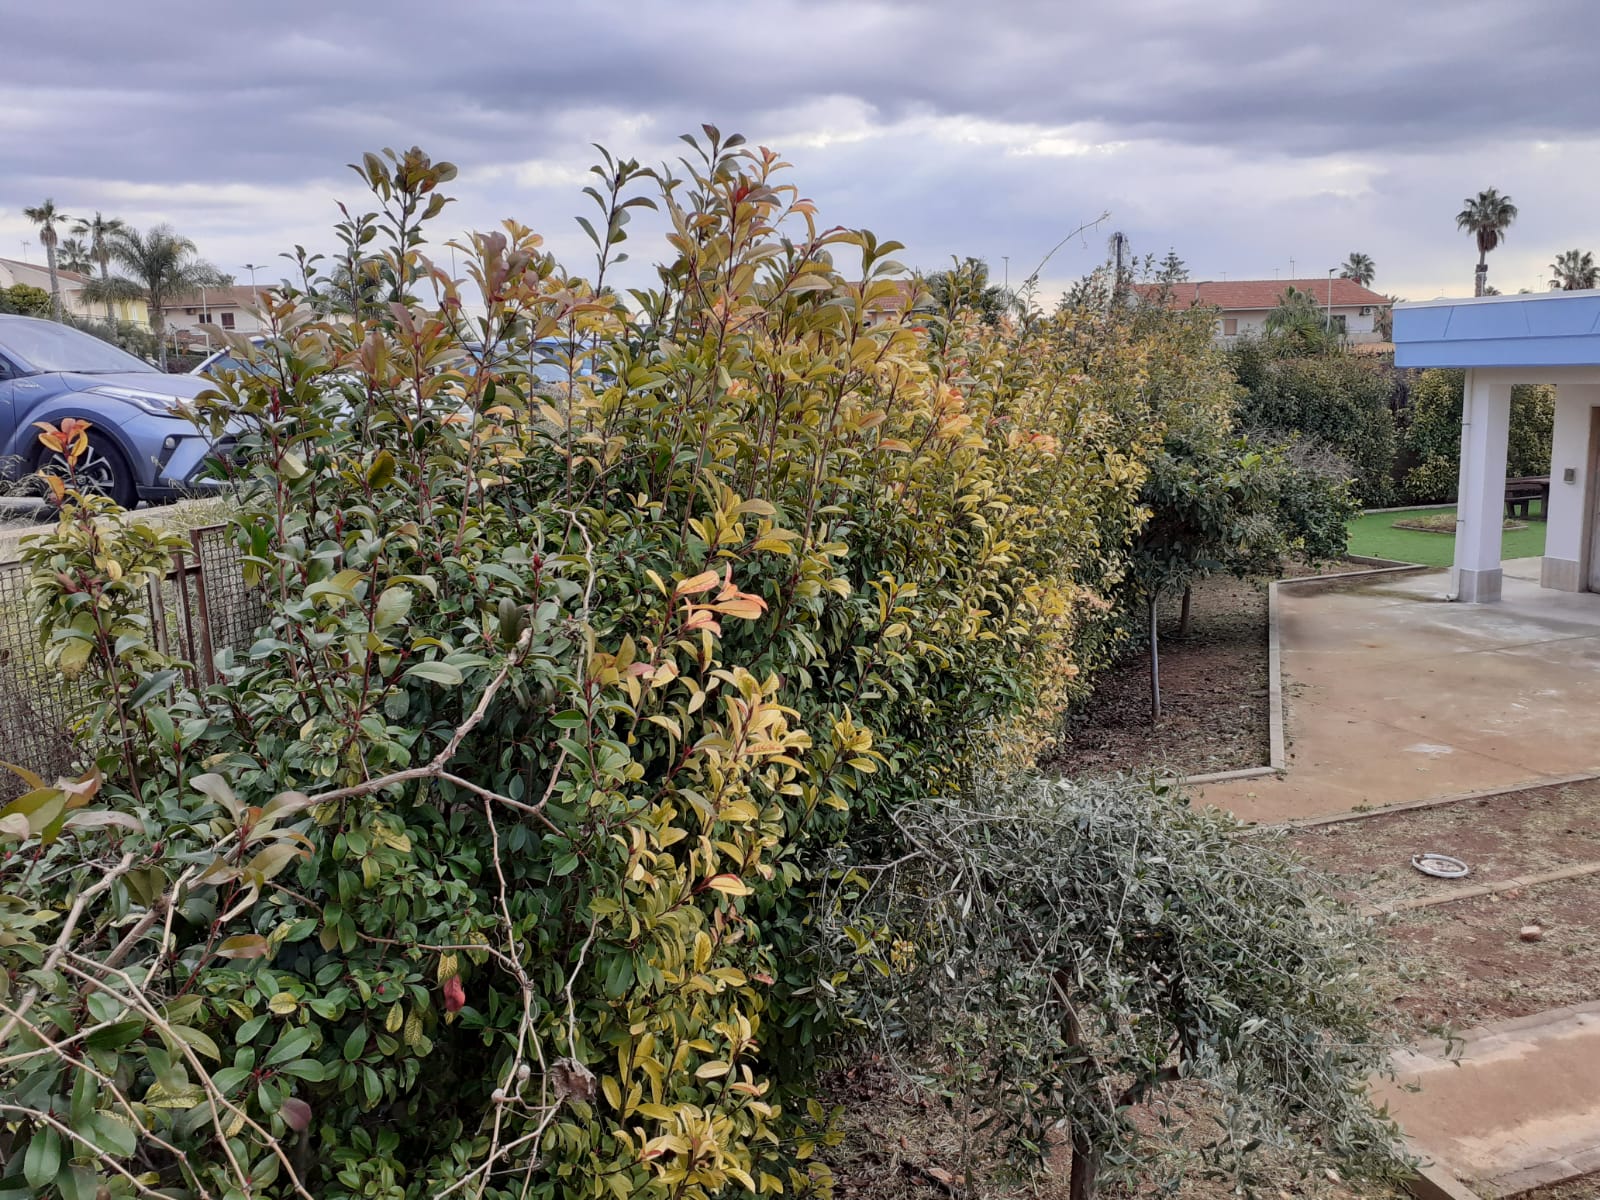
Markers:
{"x": 200, "y": 608}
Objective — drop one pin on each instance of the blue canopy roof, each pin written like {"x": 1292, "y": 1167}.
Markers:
{"x": 1548, "y": 329}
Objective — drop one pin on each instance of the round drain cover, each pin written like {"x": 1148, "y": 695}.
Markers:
{"x": 1440, "y": 866}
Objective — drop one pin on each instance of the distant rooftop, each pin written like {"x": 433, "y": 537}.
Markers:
{"x": 1257, "y": 294}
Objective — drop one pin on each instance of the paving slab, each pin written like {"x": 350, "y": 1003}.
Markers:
{"x": 1519, "y": 1109}
{"x": 1392, "y": 693}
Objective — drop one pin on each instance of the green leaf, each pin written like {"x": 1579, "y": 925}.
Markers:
{"x": 43, "y": 1160}
{"x": 244, "y": 945}
{"x": 151, "y": 686}
{"x": 382, "y": 469}
{"x": 270, "y": 862}
{"x": 291, "y": 1045}
{"x": 436, "y": 672}
{"x": 216, "y": 787}
{"x": 78, "y": 1183}
{"x": 200, "y": 1042}
{"x": 392, "y": 607}
{"x": 114, "y": 1037}
{"x": 113, "y": 1135}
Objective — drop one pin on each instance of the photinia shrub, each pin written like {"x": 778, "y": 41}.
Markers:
{"x": 490, "y": 867}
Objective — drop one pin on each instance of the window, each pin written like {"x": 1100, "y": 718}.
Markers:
{"x": 1339, "y": 324}
{"x": 1230, "y": 326}
{"x": 227, "y": 320}
{"x": 37, "y": 347}
{"x": 205, "y": 318}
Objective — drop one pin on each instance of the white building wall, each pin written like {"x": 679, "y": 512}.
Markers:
{"x": 1565, "y": 564}
{"x": 1253, "y": 323}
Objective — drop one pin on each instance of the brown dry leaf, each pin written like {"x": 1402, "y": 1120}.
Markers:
{"x": 572, "y": 1080}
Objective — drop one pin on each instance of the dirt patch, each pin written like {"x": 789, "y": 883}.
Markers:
{"x": 1445, "y": 522}
{"x": 1586, "y": 1188}
{"x": 1213, "y": 692}
{"x": 1214, "y": 686}
{"x": 1462, "y": 965}
{"x": 1500, "y": 837}
{"x": 903, "y": 1141}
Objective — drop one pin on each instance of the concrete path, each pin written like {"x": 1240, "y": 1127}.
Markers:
{"x": 1394, "y": 694}
{"x": 1521, "y": 1109}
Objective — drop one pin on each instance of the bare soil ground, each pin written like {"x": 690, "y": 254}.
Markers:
{"x": 1499, "y": 837}
{"x": 1462, "y": 964}
{"x": 904, "y": 1142}
{"x": 1586, "y": 1188}
{"x": 1213, "y": 691}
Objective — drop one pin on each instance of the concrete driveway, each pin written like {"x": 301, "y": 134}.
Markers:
{"x": 1392, "y": 693}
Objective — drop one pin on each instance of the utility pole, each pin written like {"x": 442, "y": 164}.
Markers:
{"x": 25, "y": 244}
{"x": 1006, "y": 258}
{"x": 1331, "y": 270}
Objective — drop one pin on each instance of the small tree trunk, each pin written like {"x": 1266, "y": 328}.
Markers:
{"x": 1085, "y": 1181}
{"x": 1183, "y": 617}
{"x": 1482, "y": 275}
{"x": 55, "y": 279}
{"x": 1155, "y": 663}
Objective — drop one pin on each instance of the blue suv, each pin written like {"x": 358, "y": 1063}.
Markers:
{"x": 141, "y": 446}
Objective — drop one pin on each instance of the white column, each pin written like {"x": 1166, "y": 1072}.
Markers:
{"x": 1480, "y": 510}
{"x": 1564, "y": 557}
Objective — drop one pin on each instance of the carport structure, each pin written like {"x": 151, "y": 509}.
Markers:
{"x": 1502, "y": 341}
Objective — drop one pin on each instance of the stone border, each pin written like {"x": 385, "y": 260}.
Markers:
{"x": 1478, "y": 891}
{"x": 1432, "y": 802}
{"x": 1277, "y": 755}
{"x": 1433, "y": 1182}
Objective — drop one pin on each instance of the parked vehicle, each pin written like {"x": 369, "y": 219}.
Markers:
{"x": 226, "y": 360}
{"x": 141, "y": 446}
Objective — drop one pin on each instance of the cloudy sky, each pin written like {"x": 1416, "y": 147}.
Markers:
{"x": 1251, "y": 135}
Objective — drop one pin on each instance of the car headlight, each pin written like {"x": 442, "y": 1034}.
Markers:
{"x": 157, "y": 404}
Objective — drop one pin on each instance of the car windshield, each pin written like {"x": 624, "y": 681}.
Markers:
{"x": 46, "y": 346}
{"x": 227, "y": 362}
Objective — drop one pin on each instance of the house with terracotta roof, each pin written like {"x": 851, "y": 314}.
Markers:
{"x": 198, "y": 317}
{"x": 1243, "y": 304}
{"x": 71, "y": 284}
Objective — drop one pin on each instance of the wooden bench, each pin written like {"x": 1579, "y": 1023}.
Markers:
{"x": 1521, "y": 492}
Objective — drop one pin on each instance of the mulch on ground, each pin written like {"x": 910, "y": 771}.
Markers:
{"x": 1213, "y": 692}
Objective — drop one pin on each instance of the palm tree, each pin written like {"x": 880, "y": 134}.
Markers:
{"x": 47, "y": 216}
{"x": 1358, "y": 267}
{"x": 1299, "y": 321}
{"x": 1575, "y": 270}
{"x": 1486, "y": 217}
{"x": 100, "y": 230}
{"x": 74, "y": 254}
{"x": 159, "y": 267}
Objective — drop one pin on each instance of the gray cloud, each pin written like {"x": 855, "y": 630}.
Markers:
{"x": 1244, "y": 133}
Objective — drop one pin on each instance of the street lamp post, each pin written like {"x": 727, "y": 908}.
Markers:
{"x": 253, "y": 268}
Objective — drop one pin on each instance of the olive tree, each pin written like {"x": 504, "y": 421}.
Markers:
{"x": 1082, "y": 947}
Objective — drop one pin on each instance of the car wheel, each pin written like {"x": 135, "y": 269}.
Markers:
{"x": 102, "y": 470}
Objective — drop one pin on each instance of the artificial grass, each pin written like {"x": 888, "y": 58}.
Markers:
{"x": 1374, "y": 535}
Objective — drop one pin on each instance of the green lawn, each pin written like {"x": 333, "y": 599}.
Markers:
{"x": 1375, "y": 535}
